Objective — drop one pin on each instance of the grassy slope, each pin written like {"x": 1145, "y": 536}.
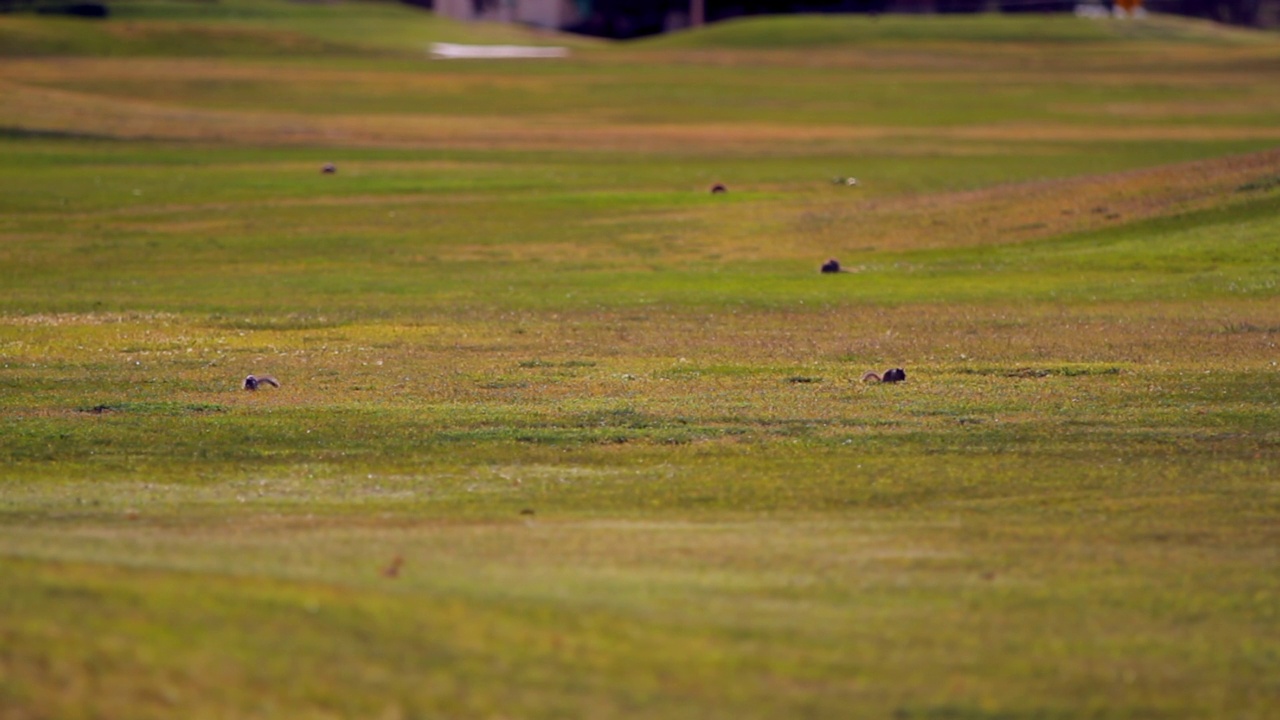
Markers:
{"x": 818, "y": 31}
{"x": 250, "y": 28}
{"x": 1068, "y": 511}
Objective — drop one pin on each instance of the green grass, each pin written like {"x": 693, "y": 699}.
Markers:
{"x": 562, "y": 434}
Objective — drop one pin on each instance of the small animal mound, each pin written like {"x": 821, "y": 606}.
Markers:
{"x": 328, "y": 169}
{"x": 253, "y": 382}
{"x": 719, "y": 188}
{"x": 890, "y": 376}
{"x": 833, "y": 266}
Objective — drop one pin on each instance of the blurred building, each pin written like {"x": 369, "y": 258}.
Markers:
{"x": 554, "y": 14}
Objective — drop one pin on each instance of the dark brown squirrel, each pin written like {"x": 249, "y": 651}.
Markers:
{"x": 833, "y": 266}
{"x": 890, "y": 376}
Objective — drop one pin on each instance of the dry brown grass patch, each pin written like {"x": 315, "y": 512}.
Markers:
{"x": 1026, "y": 211}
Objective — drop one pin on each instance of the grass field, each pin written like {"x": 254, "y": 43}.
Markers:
{"x": 563, "y": 434}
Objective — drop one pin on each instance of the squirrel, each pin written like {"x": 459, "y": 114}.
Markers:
{"x": 890, "y": 376}
{"x": 253, "y": 381}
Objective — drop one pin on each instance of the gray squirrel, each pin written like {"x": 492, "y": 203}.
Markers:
{"x": 253, "y": 381}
